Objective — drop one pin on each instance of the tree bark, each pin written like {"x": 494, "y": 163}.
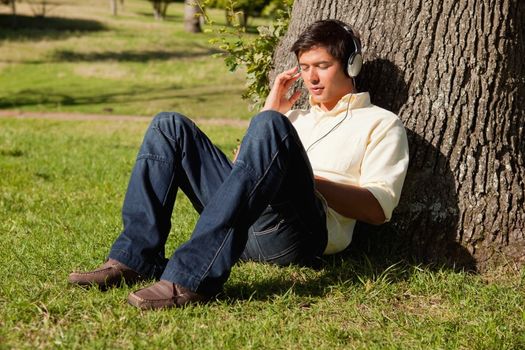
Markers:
{"x": 192, "y": 19}
{"x": 453, "y": 71}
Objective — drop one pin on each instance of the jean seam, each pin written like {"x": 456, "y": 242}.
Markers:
{"x": 242, "y": 165}
{"x": 160, "y": 131}
{"x": 283, "y": 252}
{"x": 260, "y": 255}
{"x": 219, "y": 249}
{"x": 168, "y": 190}
{"x": 154, "y": 157}
{"x": 268, "y": 168}
{"x": 207, "y": 270}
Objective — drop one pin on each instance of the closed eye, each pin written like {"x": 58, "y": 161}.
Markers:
{"x": 324, "y": 65}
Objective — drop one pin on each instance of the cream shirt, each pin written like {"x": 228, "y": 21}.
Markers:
{"x": 368, "y": 148}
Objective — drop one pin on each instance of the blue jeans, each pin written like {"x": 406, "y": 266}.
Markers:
{"x": 262, "y": 207}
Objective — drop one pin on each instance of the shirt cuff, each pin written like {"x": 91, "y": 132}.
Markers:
{"x": 384, "y": 197}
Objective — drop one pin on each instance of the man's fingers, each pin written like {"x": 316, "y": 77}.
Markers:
{"x": 292, "y": 71}
{"x": 287, "y": 75}
{"x": 295, "y": 96}
{"x": 290, "y": 81}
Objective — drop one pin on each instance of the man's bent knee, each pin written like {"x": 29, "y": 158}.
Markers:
{"x": 269, "y": 120}
{"x": 171, "y": 117}
{"x": 172, "y": 123}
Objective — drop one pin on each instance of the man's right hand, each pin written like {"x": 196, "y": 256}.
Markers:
{"x": 277, "y": 99}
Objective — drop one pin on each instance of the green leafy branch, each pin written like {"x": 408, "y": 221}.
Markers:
{"x": 255, "y": 54}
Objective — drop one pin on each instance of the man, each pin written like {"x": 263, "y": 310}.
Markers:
{"x": 268, "y": 205}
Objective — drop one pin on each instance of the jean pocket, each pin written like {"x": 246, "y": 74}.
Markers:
{"x": 277, "y": 237}
{"x": 280, "y": 245}
{"x": 269, "y": 221}
{"x": 267, "y": 228}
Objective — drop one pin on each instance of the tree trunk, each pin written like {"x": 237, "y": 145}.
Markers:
{"x": 157, "y": 10}
{"x": 453, "y": 70}
{"x": 113, "y": 5}
{"x": 163, "y": 9}
{"x": 192, "y": 12}
{"x": 155, "y": 4}
{"x": 13, "y": 7}
{"x": 44, "y": 8}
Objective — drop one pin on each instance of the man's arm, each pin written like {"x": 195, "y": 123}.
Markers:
{"x": 351, "y": 201}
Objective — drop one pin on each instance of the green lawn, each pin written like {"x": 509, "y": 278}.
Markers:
{"x": 61, "y": 187}
{"x": 82, "y": 59}
{"x": 62, "y": 184}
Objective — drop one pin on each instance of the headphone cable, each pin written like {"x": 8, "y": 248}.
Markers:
{"x": 334, "y": 127}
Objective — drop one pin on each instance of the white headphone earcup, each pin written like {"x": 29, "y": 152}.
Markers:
{"x": 355, "y": 62}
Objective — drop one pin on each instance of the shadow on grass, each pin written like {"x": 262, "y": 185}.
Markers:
{"x": 29, "y": 97}
{"x": 336, "y": 270}
{"x": 36, "y": 28}
{"x": 132, "y": 55}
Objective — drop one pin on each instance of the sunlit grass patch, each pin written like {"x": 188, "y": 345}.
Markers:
{"x": 62, "y": 184}
{"x": 129, "y": 64}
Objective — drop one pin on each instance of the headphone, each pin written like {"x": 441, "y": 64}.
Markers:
{"x": 355, "y": 61}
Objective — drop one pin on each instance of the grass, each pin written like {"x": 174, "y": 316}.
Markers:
{"x": 62, "y": 184}
{"x": 82, "y": 59}
{"x": 61, "y": 187}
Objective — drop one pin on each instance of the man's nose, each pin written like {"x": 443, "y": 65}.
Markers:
{"x": 313, "y": 77}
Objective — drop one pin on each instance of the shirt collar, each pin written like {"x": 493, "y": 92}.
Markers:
{"x": 350, "y": 101}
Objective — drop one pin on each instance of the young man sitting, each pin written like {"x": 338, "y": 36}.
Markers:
{"x": 298, "y": 184}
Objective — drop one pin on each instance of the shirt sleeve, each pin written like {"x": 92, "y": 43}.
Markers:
{"x": 385, "y": 164}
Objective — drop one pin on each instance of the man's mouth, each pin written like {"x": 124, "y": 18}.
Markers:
{"x": 316, "y": 90}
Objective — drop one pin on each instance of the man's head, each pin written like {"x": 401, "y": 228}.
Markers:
{"x": 323, "y": 50}
{"x": 337, "y": 37}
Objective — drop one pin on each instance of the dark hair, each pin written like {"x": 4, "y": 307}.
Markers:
{"x": 335, "y": 36}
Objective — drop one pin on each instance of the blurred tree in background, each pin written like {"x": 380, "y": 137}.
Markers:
{"x": 242, "y": 9}
{"x": 11, "y": 4}
{"x": 192, "y": 16}
{"x": 114, "y": 6}
{"x": 40, "y": 8}
{"x": 160, "y": 8}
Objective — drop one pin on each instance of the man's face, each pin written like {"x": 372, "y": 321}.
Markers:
{"x": 324, "y": 77}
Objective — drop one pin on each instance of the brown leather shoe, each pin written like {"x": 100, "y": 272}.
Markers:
{"x": 111, "y": 273}
{"x": 164, "y": 294}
